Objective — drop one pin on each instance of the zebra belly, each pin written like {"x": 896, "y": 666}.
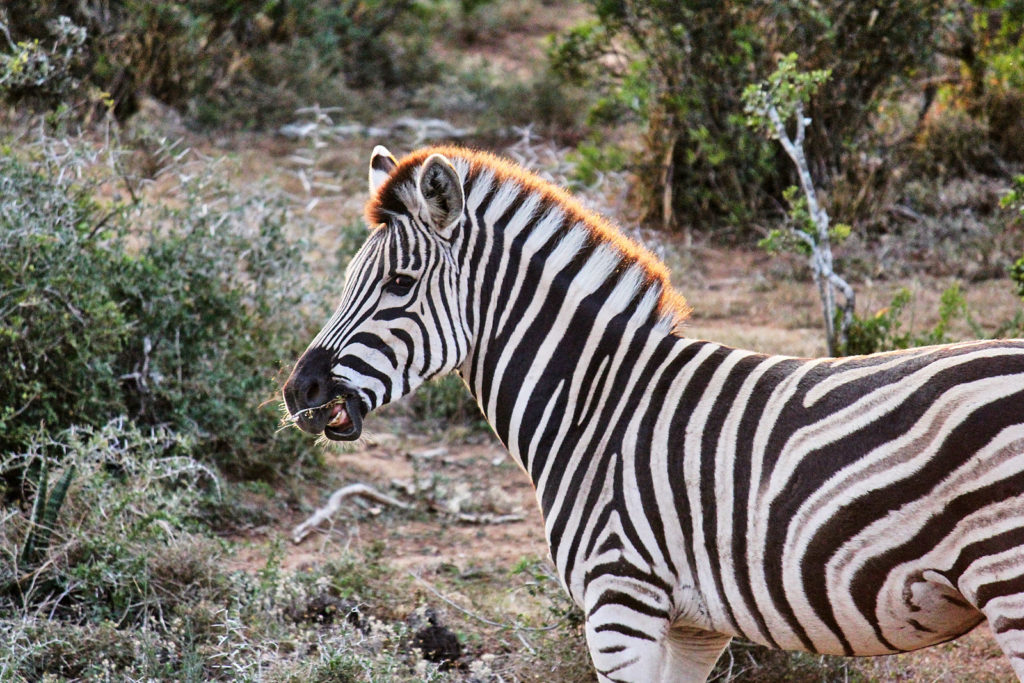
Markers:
{"x": 932, "y": 613}
{"x": 882, "y": 593}
{"x": 914, "y": 609}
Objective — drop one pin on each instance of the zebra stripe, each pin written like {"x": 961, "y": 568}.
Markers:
{"x": 691, "y": 492}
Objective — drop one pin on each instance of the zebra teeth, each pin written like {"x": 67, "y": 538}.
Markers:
{"x": 339, "y": 416}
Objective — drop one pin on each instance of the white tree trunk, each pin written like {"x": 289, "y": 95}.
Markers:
{"x": 821, "y": 247}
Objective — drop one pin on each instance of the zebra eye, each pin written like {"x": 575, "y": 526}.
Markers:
{"x": 399, "y": 284}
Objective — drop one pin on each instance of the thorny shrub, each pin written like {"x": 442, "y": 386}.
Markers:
{"x": 132, "y": 586}
{"x": 174, "y": 314}
{"x": 122, "y": 548}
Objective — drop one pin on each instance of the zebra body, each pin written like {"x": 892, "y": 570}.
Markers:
{"x": 691, "y": 492}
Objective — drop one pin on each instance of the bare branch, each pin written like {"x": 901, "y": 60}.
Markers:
{"x": 334, "y": 504}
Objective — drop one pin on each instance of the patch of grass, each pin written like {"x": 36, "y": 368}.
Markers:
{"x": 133, "y": 585}
{"x": 744, "y": 662}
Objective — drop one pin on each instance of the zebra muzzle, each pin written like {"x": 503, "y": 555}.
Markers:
{"x": 340, "y": 419}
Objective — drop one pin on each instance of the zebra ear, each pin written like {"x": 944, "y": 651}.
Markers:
{"x": 381, "y": 166}
{"x": 441, "y": 195}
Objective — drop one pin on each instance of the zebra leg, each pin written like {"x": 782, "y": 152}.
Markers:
{"x": 694, "y": 651}
{"x": 631, "y": 640}
{"x": 994, "y": 585}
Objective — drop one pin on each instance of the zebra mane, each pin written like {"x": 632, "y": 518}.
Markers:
{"x": 392, "y": 195}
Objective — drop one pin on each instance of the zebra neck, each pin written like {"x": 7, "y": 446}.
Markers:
{"x": 555, "y": 341}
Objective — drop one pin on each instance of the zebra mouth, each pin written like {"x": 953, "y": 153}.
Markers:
{"x": 345, "y": 419}
{"x": 340, "y": 419}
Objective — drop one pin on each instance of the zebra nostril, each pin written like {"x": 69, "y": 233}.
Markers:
{"x": 312, "y": 394}
{"x": 310, "y": 383}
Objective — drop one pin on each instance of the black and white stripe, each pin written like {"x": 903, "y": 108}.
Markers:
{"x": 691, "y": 492}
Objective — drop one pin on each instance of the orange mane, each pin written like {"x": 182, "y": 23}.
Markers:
{"x": 671, "y": 303}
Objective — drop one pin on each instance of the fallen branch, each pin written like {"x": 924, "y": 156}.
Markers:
{"x": 334, "y": 504}
{"x": 485, "y": 518}
{"x": 364, "y": 491}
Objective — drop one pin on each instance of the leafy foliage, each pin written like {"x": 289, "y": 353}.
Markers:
{"x": 1017, "y": 275}
{"x": 213, "y": 294}
{"x": 799, "y": 221}
{"x": 786, "y": 91}
{"x": 683, "y": 68}
{"x": 884, "y": 330}
{"x": 181, "y": 324}
{"x": 33, "y": 70}
{"x": 62, "y": 327}
{"x": 988, "y": 37}
{"x": 203, "y": 55}
{"x": 678, "y": 70}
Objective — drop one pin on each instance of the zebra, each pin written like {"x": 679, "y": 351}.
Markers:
{"x": 691, "y": 492}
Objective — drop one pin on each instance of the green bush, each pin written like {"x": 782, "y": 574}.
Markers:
{"x": 677, "y": 69}
{"x": 124, "y": 491}
{"x": 182, "y": 322}
{"x": 213, "y": 296}
{"x": 61, "y": 324}
{"x": 952, "y": 143}
{"x": 40, "y": 72}
{"x": 884, "y": 330}
{"x": 688, "y": 64}
{"x": 254, "y": 59}
{"x": 445, "y": 398}
{"x": 989, "y": 40}
{"x": 1013, "y": 200}
{"x": 1017, "y": 275}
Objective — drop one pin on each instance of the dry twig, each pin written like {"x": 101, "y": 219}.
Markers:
{"x": 365, "y": 491}
{"x": 334, "y": 504}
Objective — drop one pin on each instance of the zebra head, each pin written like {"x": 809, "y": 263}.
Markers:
{"x": 399, "y": 322}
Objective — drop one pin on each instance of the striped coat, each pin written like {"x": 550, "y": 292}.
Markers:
{"x": 691, "y": 492}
